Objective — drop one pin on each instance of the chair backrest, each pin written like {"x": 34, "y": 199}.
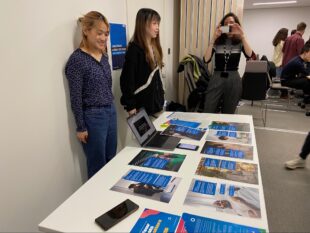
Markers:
{"x": 255, "y": 80}
{"x": 256, "y": 67}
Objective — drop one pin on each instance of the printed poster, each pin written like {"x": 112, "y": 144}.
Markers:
{"x": 118, "y": 44}
{"x": 183, "y": 132}
{"x": 229, "y": 136}
{"x": 195, "y": 117}
{"x": 224, "y": 198}
{"x": 191, "y": 124}
{"x": 228, "y": 150}
{"x": 190, "y": 223}
{"x": 158, "y": 160}
{"x": 229, "y": 126}
{"x": 152, "y": 221}
{"x": 148, "y": 185}
{"x": 228, "y": 170}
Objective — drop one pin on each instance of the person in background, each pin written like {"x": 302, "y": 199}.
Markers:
{"x": 293, "y": 31}
{"x": 293, "y": 44}
{"x": 292, "y": 47}
{"x": 308, "y": 41}
{"x": 300, "y": 161}
{"x": 278, "y": 42}
{"x": 141, "y": 80}
{"x": 90, "y": 83}
{"x": 225, "y": 85}
{"x": 294, "y": 73}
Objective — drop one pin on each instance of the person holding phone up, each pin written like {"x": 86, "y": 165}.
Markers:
{"x": 224, "y": 89}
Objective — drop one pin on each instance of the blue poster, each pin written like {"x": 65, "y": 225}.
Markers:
{"x": 118, "y": 44}
{"x": 228, "y": 150}
{"x": 148, "y": 178}
{"x": 204, "y": 187}
{"x": 152, "y": 221}
{"x": 193, "y": 223}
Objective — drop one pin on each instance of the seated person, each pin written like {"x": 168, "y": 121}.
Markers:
{"x": 294, "y": 73}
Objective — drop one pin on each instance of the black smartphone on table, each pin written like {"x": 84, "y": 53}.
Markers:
{"x": 116, "y": 214}
{"x": 186, "y": 146}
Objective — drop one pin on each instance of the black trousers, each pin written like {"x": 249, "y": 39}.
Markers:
{"x": 298, "y": 83}
{"x": 305, "y": 151}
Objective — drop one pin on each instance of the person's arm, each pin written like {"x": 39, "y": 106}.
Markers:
{"x": 246, "y": 46}
{"x": 127, "y": 80}
{"x": 74, "y": 75}
{"x": 209, "y": 52}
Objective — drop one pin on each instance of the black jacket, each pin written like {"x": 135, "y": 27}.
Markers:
{"x": 135, "y": 74}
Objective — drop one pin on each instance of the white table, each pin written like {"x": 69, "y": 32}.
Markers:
{"x": 78, "y": 212}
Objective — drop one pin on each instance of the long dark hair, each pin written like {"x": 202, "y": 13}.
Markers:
{"x": 281, "y": 35}
{"x": 143, "y": 19}
{"x": 235, "y": 39}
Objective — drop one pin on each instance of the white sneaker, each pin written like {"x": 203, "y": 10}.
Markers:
{"x": 296, "y": 163}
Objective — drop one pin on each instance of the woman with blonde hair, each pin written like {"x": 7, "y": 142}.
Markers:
{"x": 278, "y": 42}
{"x": 89, "y": 76}
{"x": 141, "y": 80}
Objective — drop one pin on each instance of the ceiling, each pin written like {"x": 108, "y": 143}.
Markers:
{"x": 248, "y": 4}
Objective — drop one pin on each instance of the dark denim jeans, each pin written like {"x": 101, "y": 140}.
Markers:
{"x": 305, "y": 151}
{"x": 101, "y": 145}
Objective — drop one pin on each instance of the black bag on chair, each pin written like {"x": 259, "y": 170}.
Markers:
{"x": 175, "y": 107}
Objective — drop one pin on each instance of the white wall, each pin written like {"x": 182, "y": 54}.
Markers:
{"x": 41, "y": 161}
{"x": 261, "y": 25}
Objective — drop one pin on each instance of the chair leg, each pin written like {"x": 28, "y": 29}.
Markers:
{"x": 264, "y": 113}
{"x": 265, "y": 123}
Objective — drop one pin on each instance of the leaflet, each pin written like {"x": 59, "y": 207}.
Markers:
{"x": 229, "y": 136}
{"x": 228, "y": 170}
{"x": 183, "y": 132}
{"x": 149, "y": 185}
{"x": 158, "y": 160}
{"x": 191, "y": 124}
{"x": 225, "y": 198}
{"x": 228, "y": 150}
{"x": 230, "y": 126}
{"x": 152, "y": 221}
{"x": 193, "y": 223}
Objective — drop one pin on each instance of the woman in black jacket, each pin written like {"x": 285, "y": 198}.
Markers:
{"x": 141, "y": 79}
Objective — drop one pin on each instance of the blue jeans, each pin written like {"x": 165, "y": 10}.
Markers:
{"x": 101, "y": 144}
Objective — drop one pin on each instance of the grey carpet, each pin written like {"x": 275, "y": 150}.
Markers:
{"x": 286, "y": 192}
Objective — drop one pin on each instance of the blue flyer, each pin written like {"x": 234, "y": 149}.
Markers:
{"x": 147, "y": 185}
{"x": 228, "y": 150}
{"x": 158, "y": 160}
{"x": 193, "y": 223}
{"x": 223, "y": 198}
{"x": 230, "y": 126}
{"x": 204, "y": 187}
{"x": 228, "y": 170}
{"x": 152, "y": 221}
{"x": 118, "y": 44}
{"x": 183, "y": 132}
{"x": 148, "y": 178}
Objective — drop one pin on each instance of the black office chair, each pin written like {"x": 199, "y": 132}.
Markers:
{"x": 255, "y": 84}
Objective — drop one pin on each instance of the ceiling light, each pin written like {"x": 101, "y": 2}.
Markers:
{"x": 273, "y": 3}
